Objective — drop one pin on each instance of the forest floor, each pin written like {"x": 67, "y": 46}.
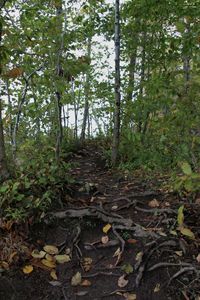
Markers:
{"x": 120, "y": 234}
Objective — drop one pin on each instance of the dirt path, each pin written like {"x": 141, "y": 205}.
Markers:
{"x": 139, "y": 257}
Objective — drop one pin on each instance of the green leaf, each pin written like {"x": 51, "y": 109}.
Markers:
{"x": 186, "y": 168}
{"x": 180, "y": 218}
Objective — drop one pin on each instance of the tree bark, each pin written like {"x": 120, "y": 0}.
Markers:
{"x": 59, "y": 135}
{"x": 4, "y": 173}
{"x": 117, "y": 113}
{"x": 87, "y": 93}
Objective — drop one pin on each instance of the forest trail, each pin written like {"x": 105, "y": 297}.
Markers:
{"x": 134, "y": 257}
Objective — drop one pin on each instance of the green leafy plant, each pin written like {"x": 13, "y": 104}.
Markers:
{"x": 189, "y": 182}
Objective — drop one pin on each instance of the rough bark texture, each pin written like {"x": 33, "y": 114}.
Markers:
{"x": 116, "y": 133}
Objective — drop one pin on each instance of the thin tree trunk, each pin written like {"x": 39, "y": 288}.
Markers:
{"x": 59, "y": 135}
{"x": 87, "y": 93}
{"x": 186, "y": 61}
{"x": 4, "y": 173}
{"x": 116, "y": 133}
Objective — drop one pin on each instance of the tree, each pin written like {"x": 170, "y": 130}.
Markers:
{"x": 116, "y": 131}
{"x": 4, "y": 173}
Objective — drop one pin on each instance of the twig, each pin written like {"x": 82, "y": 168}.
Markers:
{"x": 119, "y": 238}
{"x": 166, "y": 264}
{"x": 184, "y": 270}
{"x": 100, "y": 273}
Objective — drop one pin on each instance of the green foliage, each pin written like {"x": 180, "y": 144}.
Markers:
{"x": 189, "y": 182}
{"x": 39, "y": 185}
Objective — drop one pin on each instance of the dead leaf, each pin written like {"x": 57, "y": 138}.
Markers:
{"x": 54, "y": 275}
{"x": 11, "y": 257}
{"x": 27, "y": 269}
{"x": 122, "y": 282}
{"x": 50, "y": 249}
{"x": 114, "y": 207}
{"x": 81, "y": 293}
{"x": 87, "y": 263}
{"x": 61, "y": 259}
{"x": 49, "y": 257}
{"x": 154, "y": 203}
{"x": 173, "y": 232}
{"x": 106, "y": 228}
{"x": 179, "y": 253}
{"x": 117, "y": 252}
{"x": 5, "y": 265}
{"x": 38, "y": 254}
{"x": 86, "y": 283}
{"x": 187, "y": 232}
{"x": 104, "y": 239}
{"x": 76, "y": 279}
{"x": 198, "y": 258}
{"x": 47, "y": 263}
{"x": 127, "y": 268}
{"x": 130, "y": 296}
{"x": 157, "y": 288}
{"x": 132, "y": 241}
{"x": 55, "y": 283}
{"x": 139, "y": 256}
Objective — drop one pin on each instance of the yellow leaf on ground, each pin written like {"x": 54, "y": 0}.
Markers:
{"x": 157, "y": 288}
{"x": 49, "y": 257}
{"x": 130, "y": 296}
{"x": 106, "y": 228}
{"x": 50, "y": 249}
{"x": 53, "y": 275}
{"x": 27, "y": 269}
{"x": 47, "y": 263}
{"x": 187, "y": 232}
{"x": 38, "y": 254}
{"x": 61, "y": 259}
{"x": 76, "y": 279}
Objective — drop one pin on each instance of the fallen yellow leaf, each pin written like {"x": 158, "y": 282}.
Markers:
{"x": 53, "y": 275}
{"x": 28, "y": 269}
{"x": 187, "y": 232}
{"x": 76, "y": 279}
{"x": 50, "y": 249}
{"x": 106, "y": 228}
{"x": 38, "y": 254}
{"x": 61, "y": 259}
{"x": 47, "y": 263}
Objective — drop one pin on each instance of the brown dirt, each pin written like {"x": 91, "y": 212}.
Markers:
{"x": 96, "y": 185}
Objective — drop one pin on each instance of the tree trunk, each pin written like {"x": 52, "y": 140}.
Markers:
{"x": 4, "y": 173}
{"x": 87, "y": 93}
{"x": 116, "y": 132}
{"x": 59, "y": 135}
